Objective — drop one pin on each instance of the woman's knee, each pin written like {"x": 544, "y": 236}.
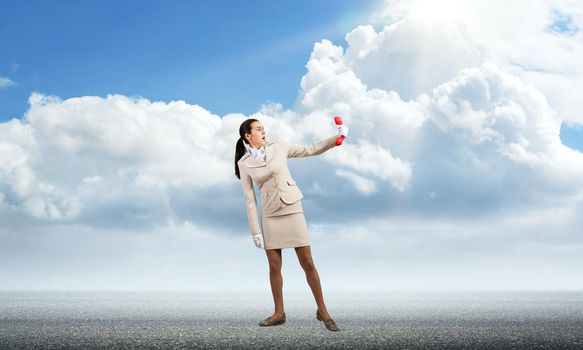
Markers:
{"x": 308, "y": 265}
{"x": 275, "y": 263}
{"x": 275, "y": 266}
{"x": 274, "y": 259}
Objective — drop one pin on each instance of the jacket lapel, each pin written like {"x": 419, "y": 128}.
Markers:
{"x": 251, "y": 162}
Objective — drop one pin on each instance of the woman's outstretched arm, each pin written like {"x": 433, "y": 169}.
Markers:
{"x": 314, "y": 149}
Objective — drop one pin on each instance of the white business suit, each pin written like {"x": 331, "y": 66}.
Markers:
{"x": 281, "y": 208}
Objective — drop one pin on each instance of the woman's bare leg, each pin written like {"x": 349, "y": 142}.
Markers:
{"x": 305, "y": 257}
{"x": 276, "y": 280}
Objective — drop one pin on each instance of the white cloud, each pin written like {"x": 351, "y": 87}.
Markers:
{"x": 6, "y": 82}
{"x": 362, "y": 184}
{"x": 426, "y": 135}
{"x": 374, "y": 160}
{"x": 128, "y": 160}
{"x": 410, "y": 56}
{"x": 486, "y": 105}
{"x": 468, "y": 111}
{"x": 527, "y": 40}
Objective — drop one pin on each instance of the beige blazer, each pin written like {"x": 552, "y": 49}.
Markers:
{"x": 278, "y": 188}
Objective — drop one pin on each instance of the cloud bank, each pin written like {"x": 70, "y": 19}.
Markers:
{"x": 454, "y": 156}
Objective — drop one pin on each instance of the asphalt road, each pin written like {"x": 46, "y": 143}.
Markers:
{"x": 444, "y": 320}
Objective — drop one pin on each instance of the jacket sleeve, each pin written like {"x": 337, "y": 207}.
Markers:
{"x": 250, "y": 201}
{"x": 297, "y": 151}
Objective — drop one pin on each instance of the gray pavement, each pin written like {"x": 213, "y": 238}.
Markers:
{"x": 382, "y": 320}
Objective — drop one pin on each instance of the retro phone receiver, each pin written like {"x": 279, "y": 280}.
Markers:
{"x": 340, "y": 138}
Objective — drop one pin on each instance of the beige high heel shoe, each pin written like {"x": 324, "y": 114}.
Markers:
{"x": 329, "y": 323}
{"x": 271, "y": 322}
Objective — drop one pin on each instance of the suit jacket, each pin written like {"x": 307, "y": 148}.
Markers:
{"x": 273, "y": 178}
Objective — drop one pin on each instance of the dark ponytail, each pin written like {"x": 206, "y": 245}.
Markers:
{"x": 240, "y": 147}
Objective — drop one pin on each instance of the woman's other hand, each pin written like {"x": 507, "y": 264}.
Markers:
{"x": 258, "y": 240}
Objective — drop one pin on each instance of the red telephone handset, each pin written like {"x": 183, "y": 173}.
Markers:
{"x": 340, "y": 138}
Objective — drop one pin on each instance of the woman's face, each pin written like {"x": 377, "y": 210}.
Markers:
{"x": 257, "y": 136}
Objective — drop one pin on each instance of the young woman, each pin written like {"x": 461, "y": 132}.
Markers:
{"x": 283, "y": 224}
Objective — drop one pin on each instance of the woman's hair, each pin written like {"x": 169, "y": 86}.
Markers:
{"x": 240, "y": 148}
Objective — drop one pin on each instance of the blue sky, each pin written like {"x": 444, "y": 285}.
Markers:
{"x": 227, "y": 56}
{"x": 118, "y": 122}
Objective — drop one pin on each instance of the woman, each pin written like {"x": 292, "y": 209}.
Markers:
{"x": 283, "y": 224}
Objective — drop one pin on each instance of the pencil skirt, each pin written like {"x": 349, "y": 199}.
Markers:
{"x": 285, "y": 231}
